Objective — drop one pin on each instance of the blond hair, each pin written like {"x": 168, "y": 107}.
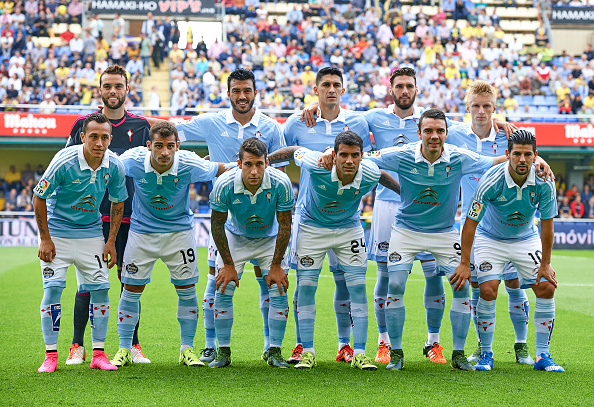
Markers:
{"x": 478, "y": 87}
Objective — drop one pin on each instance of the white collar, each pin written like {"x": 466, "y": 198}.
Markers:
{"x": 239, "y": 188}
{"x": 444, "y": 157}
{"x": 416, "y": 112}
{"x": 254, "y": 120}
{"x": 148, "y": 167}
{"x": 355, "y": 183}
{"x": 340, "y": 118}
{"x": 492, "y": 133}
{"x": 84, "y": 165}
{"x": 531, "y": 180}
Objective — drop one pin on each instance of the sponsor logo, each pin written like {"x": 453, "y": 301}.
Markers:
{"x": 237, "y": 201}
{"x": 311, "y": 130}
{"x": 475, "y": 209}
{"x": 131, "y": 268}
{"x": 485, "y": 266}
{"x": 224, "y": 134}
{"x": 400, "y": 140}
{"x": 516, "y": 216}
{"x": 87, "y": 200}
{"x": 29, "y": 124}
{"x": 414, "y": 171}
{"x": 255, "y": 222}
{"x": 428, "y": 193}
{"x": 306, "y": 261}
{"x": 76, "y": 181}
{"x": 142, "y": 181}
{"x": 394, "y": 257}
{"x": 383, "y": 246}
{"x": 502, "y": 198}
{"x": 332, "y": 207}
{"x": 160, "y": 200}
{"x": 322, "y": 187}
{"x": 42, "y": 186}
{"x": 48, "y": 272}
{"x": 464, "y": 146}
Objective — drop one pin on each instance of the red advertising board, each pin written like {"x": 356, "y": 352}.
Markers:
{"x": 58, "y": 125}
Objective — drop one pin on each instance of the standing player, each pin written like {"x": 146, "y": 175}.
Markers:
{"x": 503, "y": 208}
{"x": 259, "y": 200}
{"x": 128, "y": 131}
{"x": 65, "y": 205}
{"x": 330, "y": 121}
{"x": 224, "y": 132}
{"x": 480, "y": 136}
{"x": 430, "y": 174}
{"x": 161, "y": 228}
{"x": 330, "y": 220}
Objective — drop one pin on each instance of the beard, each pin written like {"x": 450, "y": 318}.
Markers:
{"x": 405, "y": 106}
{"x": 117, "y": 105}
{"x": 237, "y": 109}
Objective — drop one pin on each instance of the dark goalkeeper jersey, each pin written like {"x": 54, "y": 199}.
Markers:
{"x": 128, "y": 132}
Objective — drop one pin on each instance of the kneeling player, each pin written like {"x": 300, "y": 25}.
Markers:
{"x": 259, "y": 199}
{"x": 161, "y": 228}
{"x": 66, "y": 204}
{"x": 503, "y": 207}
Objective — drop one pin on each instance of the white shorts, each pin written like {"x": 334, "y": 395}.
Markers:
{"x": 244, "y": 249}
{"x": 86, "y": 255}
{"x": 406, "y": 244}
{"x": 382, "y": 220}
{"x": 332, "y": 260}
{"x": 176, "y": 249}
{"x": 213, "y": 252}
{"x": 509, "y": 271}
{"x": 491, "y": 256}
{"x": 347, "y": 244}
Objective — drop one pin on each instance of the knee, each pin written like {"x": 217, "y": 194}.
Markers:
{"x": 544, "y": 290}
{"x": 514, "y": 283}
{"x": 488, "y": 292}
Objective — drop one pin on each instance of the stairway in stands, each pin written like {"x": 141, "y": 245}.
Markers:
{"x": 160, "y": 78}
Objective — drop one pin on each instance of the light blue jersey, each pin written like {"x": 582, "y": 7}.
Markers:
{"x": 429, "y": 191}
{"x": 74, "y": 192}
{"x": 390, "y": 130}
{"x": 328, "y": 203}
{"x": 322, "y": 135}
{"x": 252, "y": 215}
{"x": 492, "y": 146}
{"x": 505, "y": 210}
{"x": 224, "y": 135}
{"x": 161, "y": 202}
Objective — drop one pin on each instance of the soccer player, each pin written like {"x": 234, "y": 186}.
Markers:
{"x": 430, "y": 174}
{"x": 330, "y": 220}
{"x": 66, "y": 210}
{"x": 161, "y": 228}
{"x": 330, "y": 121}
{"x": 224, "y": 132}
{"x": 481, "y": 137}
{"x": 501, "y": 215}
{"x": 251, "y": 219}
{"x": 128, "y": 131}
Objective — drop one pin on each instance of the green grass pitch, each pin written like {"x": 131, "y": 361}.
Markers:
{"x": 249, "y": 381}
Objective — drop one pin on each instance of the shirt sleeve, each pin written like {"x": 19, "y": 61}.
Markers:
{"x": 117, "y": 183}
{"x": 547, "y": 205}
{"x": 306, "y": 159}
{"x": 195, "y": 129}
{"x": 288, "y": 132}
{"x": 481, "y": 198}
{"x": 386, "y": 158}
{"x": 277, "y": 142}
{"x": 286, "y": 197}
{"x": 364, "y": 133}
{"x": 52, "y": 178}
{"x": 128, "y": 160}
{"x": 218, "y": 195}
{"x": 473, "y": 163}
{"x": 203, "y": 170}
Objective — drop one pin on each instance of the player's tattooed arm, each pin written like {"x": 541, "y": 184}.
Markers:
{"x": 277, "y": 274}
{"x": 462, "y": 272}
{"x": 282, "y": 154}
{"x": 389, "y": 182}
{"x": 227, "y": 273}
{"x": 547, "y": 235}
{"x": 115, "y": 219}
{"x": 47, "y": 250}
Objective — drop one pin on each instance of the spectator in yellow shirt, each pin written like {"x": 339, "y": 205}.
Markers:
{"x": 589, "y": 101}
{"x": 308, "y": 78}
{"x": 451, "y": 72}
{"x": 562, "y": 91}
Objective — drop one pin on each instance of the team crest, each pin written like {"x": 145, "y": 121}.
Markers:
{"x": 532, "y": 196}
{"x": 495, "y": 147}
{"x": 447, "y": 170}
{"x": 258, "y": 134}
{"x": 131, "y": 268}
{"x": 357, "y": 192}
{"x": 48, "y": 272}
{"x": 345, "y": 128}
{"x": 175, "y": 181}
{"x": 383, "y": 247}
{"x": 268, "y": 196}
{"x": 130, "y": 133}
{"x": 106, "y": 177}
{"x": 394, "y": 257}
{"x": 306, "y": 261}
{"x": 485, "y": 266}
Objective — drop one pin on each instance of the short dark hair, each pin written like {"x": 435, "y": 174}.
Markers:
{"x": 433, "y": 114}
{"x": 349, "y": 138}
{"x": 115, "y": 69}
{"x": 403, "y": 72}
{"x": 328, "y": 70}
{"x": 95, "y": 117}
{"x": 164, "y": 129}
{"x": 254, "y": 146}
{"x": 241, "y": 75}
{"x": 521, "y": 137}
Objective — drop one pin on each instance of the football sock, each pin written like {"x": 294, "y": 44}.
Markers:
{"x": 544, "y": 321}
{"x": 187, "y": 314}
{"x": 81, "y": 316}
{"x": 342, "y": 308}
{"x": 295, "y": 313}
{"x": 51, "y": 314}
{"x": 355, "y": 281}
{"x": 379, "y": 301}
{"x": 135, "y": 337}
{"x": 223, "y": 314}
{"x": 100, "y": 301}
{"x": 518, "y": 307}
{"x": 277, "y": 316}
{"x": 264, "y": 308}
{"x": 433, "y": 298}
{"x": 485, "y": 313}
{"x": 395, "y": 313}
{"x": 306, "y": 305}
{"x": 208, "y": 313}
{"x": 474, "y": 296}
{"x": 127, "y": 317}
{"x": 460, "y": 317}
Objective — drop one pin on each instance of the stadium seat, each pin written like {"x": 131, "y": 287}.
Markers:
{"x": 538, "y": 100}
{"x": 551, "y": 100}
{"x": 527, "y": 99}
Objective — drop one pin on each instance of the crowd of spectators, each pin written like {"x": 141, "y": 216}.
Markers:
{"x": 16, "y": 189}
{"x": 575, "y": 202}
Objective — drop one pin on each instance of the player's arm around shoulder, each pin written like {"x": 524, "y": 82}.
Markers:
{"x": 283, "y": 154}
